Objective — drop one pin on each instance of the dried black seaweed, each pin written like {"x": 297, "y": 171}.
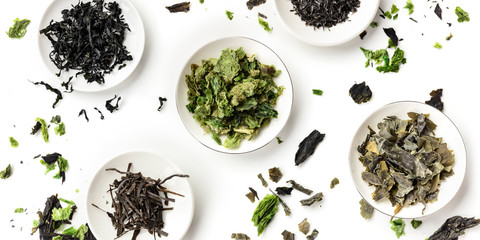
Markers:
{"x": 51, "y": 158}
{"x": 262, "y": 15}
{"x": 288, "y": 235}
{"x": 179, "y": 7}
{"x": 299, "y": 187}
{"x": 315, "y": 198}
{"x": 89, "y": 38}
{"x": 50, "y": 88}
{"x": 392, "y": 35}
{"x": 324, "y": 14}
{"x": 100, "y": 112}
{"x": 436, "y": 99}
{"x": 363, "y": 34}
{"x": 264, "y": 183}
{"x": 139, "y": 202}
{"x": 282, "y": 191}
{"x": 254, "y": 3}
{"x": 275, "y": 174}
{"x": 360, "y": 93}
{"x": 109, "y": 106}
{"x": 240, "y": 236}
{"x": 307, "y": 146}
{"x": 36, "y": 128}
{"x": 454, "y": 227}
{"x": 162, "y": 100}
{"x": 313, "y": 235}
{"x": 68, "y": 85}
{"x": 84, "y": 113}
{"x": 304, "y": 226}
{"x": 438, "y": 11}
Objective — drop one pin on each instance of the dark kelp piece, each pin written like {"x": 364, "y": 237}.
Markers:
{"x": 84, "y": 113}
{"x": 179, "y": 7}
{"x": 162, "y": 101}
{"x": 315, "y": 198}
{"x": 109, "y": 106}
{"x": 288, "y": 235}
{"x": 454, "y": 227}
{"x": 360, "y": 93}
{"x": 299, "y": 187}
{"x": 282, "y": 191}
{"x": 324, "y": 14}
{"x": 304, "y": 226}
{"x": 363, "y": 34}
{"x": 366, "y": 210}
{"x": 392, "y": 35}
{"x": 313, "y": 235}
{"x": 4, "y": 174}
{"x": 264, "y": 183}
{"x": 438, "y": 11}
{"x": 51, "y": 158}
{"x": 436, "y": 99}
{"x": 36, "y": 128}
{"x": 307, "y": 146}
{"x": 275, "y": 174}
{"x": 89, "y": 38}
{"x": 254, "y": 3}
{"x": 50, "y": 88}
{"x": 240, "y": 236}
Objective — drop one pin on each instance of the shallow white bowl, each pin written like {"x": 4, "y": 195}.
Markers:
{"x": 446, "y": 129}
{"x": 134, "y": 41}
{"x": 177, "y": 221}
{"x": 338, "y": 34}
{"x": 266, "y": 56}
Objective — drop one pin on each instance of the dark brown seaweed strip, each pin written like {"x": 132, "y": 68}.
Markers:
{"x": 179, "y": 7}
{"x": 307, "y": 147}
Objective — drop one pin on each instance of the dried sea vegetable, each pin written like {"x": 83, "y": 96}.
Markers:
{"x": 392, "y": 35}
{"x": 240, "y": 236}
{"x": 232, "y": 96}
{"x": 264, "y": 183}
{"x": 436, "y": 99}
{"x": 288, "y": 235}
{"x": 51, "y": 89}
{"x": 313, "y": 235}
{"x": 438, "y": 11}
{"x": 398, "y": 226}
{"x": 313, "y": 199}
{"x": 462, "y": 15}
{"x": 264, "y": 212}
{"x": 13, "y": 142}
{"x": 109, "y": 106}
{"x": 366, "y": 210}
{"x": 299, "y": 187}
{"x": 4, "y": 174}
{"x": 360, "y": 93}
{"x": 381, "y": 56}
{"x": 18, "y": 29}
{"x": 264, "y": 24}
{"x": 415, "y": 223}
{"x": 275, "y": 174}
{"x": 252, "y": 195}
{"x": 162, "y": 101}
{"x": 50, "y": 161}
{"x": 282, "y": 191}
{"x": 404, "y": 161}
{"x": 307, "y": 146}
{"x": 179, "y": 7}
{"x": 324, "y": 14}
{"x": 454, "y": 227}
{"x": 304, "y": 226}
{"x": 286, "y": 209}
{"x": 254, "y": 3}
{"x": 334, "y": 183}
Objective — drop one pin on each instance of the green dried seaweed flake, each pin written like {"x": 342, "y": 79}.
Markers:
{"x": 264, "y": 24}
{"x": 334, "y": 183}
{"x": 437, "y": 45}
{"x": 13, "y": 142}
{"x": 229, "y": 14}
{"x": 462, "y": 15}
{"x": 398, "y": 226}
{"x": 60, "y": 214}
{"x": 4, "y": 174}
{"x": 415, "y": 223}
{"x": 44, "y": 129}
{"x": 18, "y": 29}
{"x": 60, "y": 129}
{"x": 394, "y": 9}
{"x": 19, "y": 210}
{"x": 317, "y": 92}
{"x": 409, "y": 6}
{"x": 264, "y": 212}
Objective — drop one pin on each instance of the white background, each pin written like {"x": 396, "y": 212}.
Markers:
{"x": 220, "y": 181}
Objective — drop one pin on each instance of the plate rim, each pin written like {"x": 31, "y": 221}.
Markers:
{"x": 461, "y": 146}
{"x": 141, "y": 151}
{"x": 100, "y": 87}
{"x": 188, "y": 62}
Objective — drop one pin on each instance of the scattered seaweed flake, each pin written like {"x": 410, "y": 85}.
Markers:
{"x": 93, "y": 51}
{"x": 334, "y": 183}
{"x": 398, "y": 226}
{"x": 51, "y": 89}
{"x": 240, "y": 236}
{"x": 254, "y": 192}
{"x": 179, "y": 7}
{"x": 84, "y": 113}
{"x": 415, "y": 223}
{"x": 317, "y": 92}
{"x": 436, "y": 99}
{"x": 454, "y": 227}
{"x": 252, "y": 195}
{"x": 360, "y": 93}
{"x": 415, "y": 21}
{"x": 67, "y": 85}
{"x": 304, "y": 226}
{"x": 374, "y": 24}
{"x": 307, "y": 147}
{"x": 19, "y": 28}
{"x": 438, "y": 11}
{"x": 279, "y": 141}
{"x": 139, "y": 202}
{"x": 264, "y": 24}
{"x": 275, "y": 174}
{"x": 313, "y": 235}
{"x": 286, "y": 209}
{"x": 109, "y": 106}
{"x": 4, "y": 174}
{"x": 324, "y": 14}
{"x": 36, "y": 128}
{"x": 162, "y": 101}
{"x": 288, "y": 235}
{"x": 366, "y": 210}
{"x": 254, "y": 3}
{"x": 299, "y": 187}
{"x": 462, "y": 15}
{"x": 264, "y": 183}
{"x": 282, "y": 191}
{"x": 262, "y": 15}
{"x": 363, "y": 34}
{"x": 263, "y": 214}
{"x": 100, "y": 112}
{"x": 390, "y": 32}
{"x": 313, "y": 199}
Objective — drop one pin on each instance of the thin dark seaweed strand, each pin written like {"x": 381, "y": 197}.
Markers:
{"x": 324, "y": 14}
{"x": 83, "y": 112}
{"x": 93, "y": 47}
{"x": 162, "y": 100}
{"x": 54, "y": 90}
{"x": 101, "y": 114}
{"x": 109, "y": 106}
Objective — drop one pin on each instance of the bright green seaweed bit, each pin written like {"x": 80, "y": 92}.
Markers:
{"x": 60, "y": 214}
{"x": 409, "y": 6}
{"x": 13, "y": 142}
{"x": 19, "y": 210}
{"x": 264, "y": 24}
{"x": 462, "y": 15}
{"x": 233, "y": 140}
{"x": 394, "y": 9}
{"x": 415, "y": 223}
{"x": 229, "y": 14}
{"x": 264, "y": 212}
{"x": 374, "y": 24}
{"x": 317, "y": 92}
{"x": 60, "y": 129}
{"x": 4, "y": 174}
{"x": 78, "y": 233}
{"x": 437, "y": 45}
{"x": 62, "y": 167}
{"x": 44, "y": 129}
{"x": 398, "y": 226}
{"x": 202, "y": 1}
{"x": 18, "y": 29}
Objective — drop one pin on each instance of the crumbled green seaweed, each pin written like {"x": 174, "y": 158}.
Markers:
{"x": 229, "y": 14}
{"x": 275, "y": 174}
{"x": 462, "y": 15}
{"x": 317, "y": 92}
{"x": 13, "y": 142}
{"x": 240, "y": 236}
{"x": 409, "y": 6}
{"x": 264, "y": 24}
{"x": 415, "y": 223}
{"x": 4, "y": 174}
{"x": 454, "y": 227}
{"x": 264, "y": 212}
{"x": 398, "y": 226}
{"x": 18, "y": 29}
{"x": 437, "y": 45}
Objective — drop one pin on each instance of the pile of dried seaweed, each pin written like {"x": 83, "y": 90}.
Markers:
{"x": 89, "y": 39}
{"x": 139, "y": 203}
{"x": 324, "y": 14}
{"x": 404, "y": 161}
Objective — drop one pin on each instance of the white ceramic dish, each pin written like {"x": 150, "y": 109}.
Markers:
{"x": 177, "y": 221}
{"x": 266, "y": 56}
{"x": 134, "y": 41}
{"x": 335, "y": 35}
{"x": 446, "y": 129}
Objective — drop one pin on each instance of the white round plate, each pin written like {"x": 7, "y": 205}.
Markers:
{"x": 134, "y": 41}
{"x": 446, "y": 129}
{"x": 177, "y": 221}
{"x": 266, "y": 56}
{"x": 336, "y": 35}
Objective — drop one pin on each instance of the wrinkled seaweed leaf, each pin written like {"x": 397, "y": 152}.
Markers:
{"x": 436, "y": 99}
{"x": 18, "y": 29}
{"x": 454, "y": 227}
{"x": 307, "y": 147}
{"x": 264, "y": 212}
{"x": 392, "y": 35}
{"x": 360, "y": 93}
{"x": 299, "y": 187}
{"x": 313, "y": 235}
{"x": 4, "y": 174}
{"x": 179, "y": 7}
{"x": 398, "y": 226}
{"x": 304, "y": 226}
{"x": 110, "y": 107}
{"x": 315, "y": 198}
